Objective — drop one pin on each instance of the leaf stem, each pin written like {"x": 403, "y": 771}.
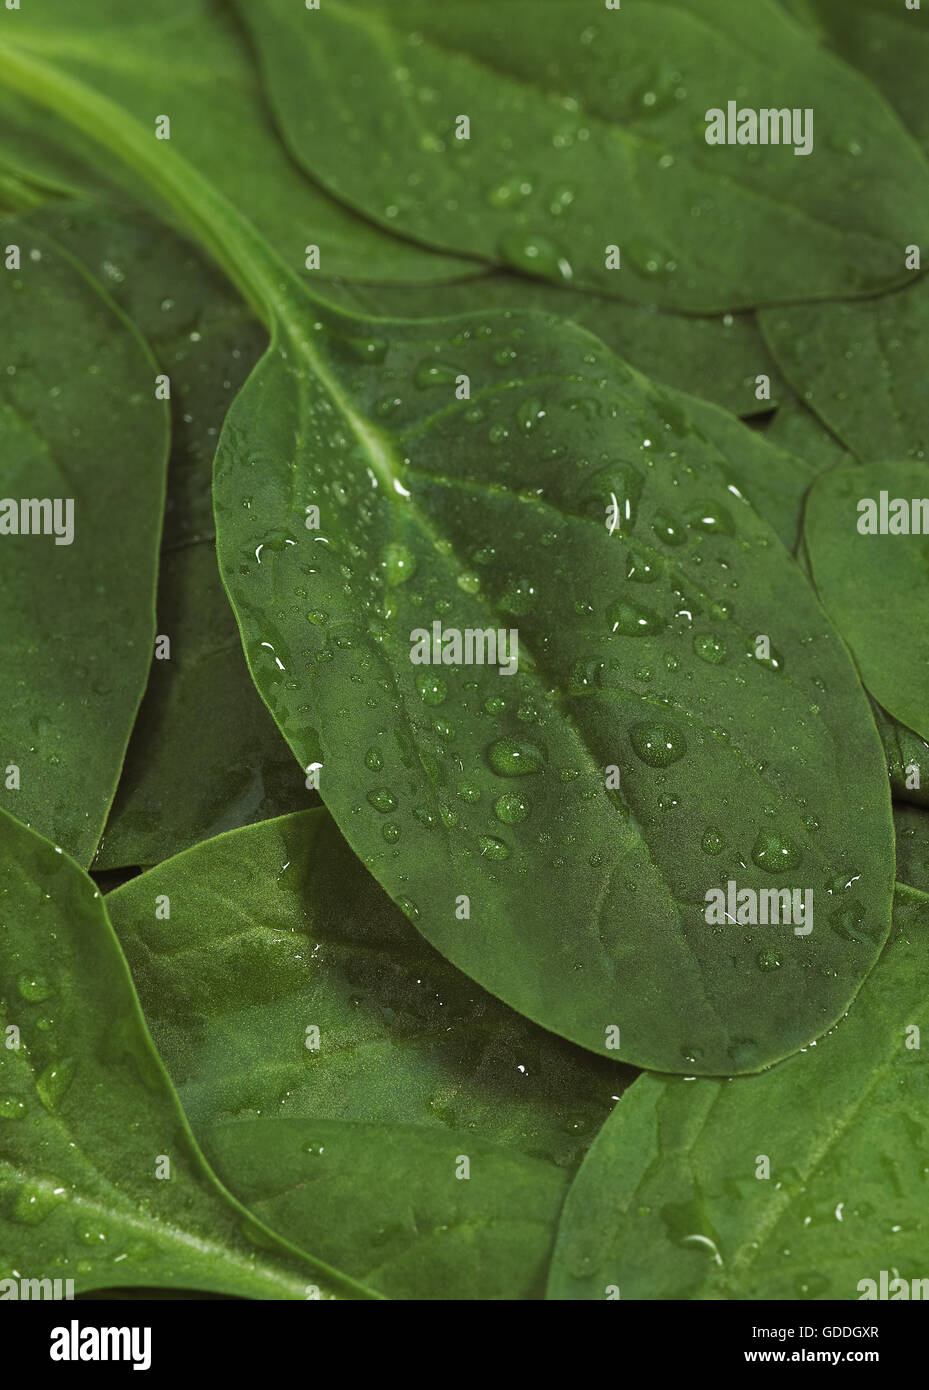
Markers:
{"x": 265, "y": 280}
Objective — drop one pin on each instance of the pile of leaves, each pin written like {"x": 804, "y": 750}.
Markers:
{"x": 325, "y": 972}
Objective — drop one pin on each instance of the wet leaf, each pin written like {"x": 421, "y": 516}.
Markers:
{"x": 587, "y": 130}
{"x": 351, "y": 1140}
{"x": 79, "y": 536}
{"x": 100, "y": 1179}
{"x": 800, "y": 1183}
{"x": 876, "y": 586}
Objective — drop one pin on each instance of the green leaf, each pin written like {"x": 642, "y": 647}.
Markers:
{"x": 861, "y": 368}
{"x": 773, "y": 480}
{"x": 205, "y": 755}
{"x": 455, "y": 781}
{"x": 716, "y": 358}
{"x": 89, "y": 1116}
{"x": 796, "y": 429}
{"x": 587, "y": 130}
{"x": 351, "y": 1148}
{"x": 876, "y": 587}
{"x": 472, "y": 787}
{"x": 81, "y": 425}
{"x": 907, "y": 762}
{"x": 673, "y": 1200}
{"x": 186, "y": 60}
{"x": 887, "y": 40}
{"x": 912, "y": 847}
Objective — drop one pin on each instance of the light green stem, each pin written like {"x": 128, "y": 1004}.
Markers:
{"x": 263, "y": 278}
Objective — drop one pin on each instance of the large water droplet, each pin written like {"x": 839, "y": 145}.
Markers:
{"x": 776, "y": 853}
{"x": 634, "y": 619}
{"x": 53, "y": 1082}
{"x": 657, "y": 745}
{"x": 511, "y": 808}
{"x": 514, "y": 757}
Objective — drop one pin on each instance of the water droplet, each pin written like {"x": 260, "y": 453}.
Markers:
{"x": 399, "y": 564}
{"x": 709, "y": 648}
{"x": 382, "y": 800}
{"x": 493, "y": 849}
{"x": 657, "y": 745}
{"x": 373, "y": 760}
{"x": 469, "y": 792}
{"x": 11, "y": 1108}
{"x": 776, "y": 853}
{"x": 769, "y": 960}
{"x": 34, "y": 988}
{"x": 391, "y": 832}
{"x": 514, "y": 757}
{"x": 33, "y": 1203}
{"x": 668, "y": 529}
{"x": 432, "y": 689}
{"x": 535, "y": 256}
{"x": 518, "y": 596}
{"x": 511, "y": 808}
{"x": 53, "y": 1082}
{"x": 432, "y": 373}
{"x": 713, "y": 842}
{"x": 634, "y": 620}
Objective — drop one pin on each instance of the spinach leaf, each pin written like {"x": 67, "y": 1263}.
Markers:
{"x": 797, "y": 1184}
{"x": 887, "y": 41}
{"x": 458, "y": 789}
{"x": 461, "y": 787}
{"x": 587, "y": 130}
{"x": 186, "y": 60}
{"x": 205, "y": 754}
{"x": 351, "y": 1146}
{"x": 876, "y": 586}
{"x": 796, "y": 429}
{"x": 907, "y": 763}
{"x": 716, "y": 358}
{"x": 100, "y": 1179}
{"x": 861, "y": 368}
{"x": 912, "y": 847}
{"x": 85, "y": 450}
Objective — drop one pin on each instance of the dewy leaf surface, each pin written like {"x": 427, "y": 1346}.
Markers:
{"x": 88, "y": 1117}
{"x": 497, "y": 808}
{"x": 876, "y": 587}
{"x": 672, "y": 1201}
{"x": 186, "y": 60}
{"x": 587, "y": 130}
{"x": 80, "y": 425}
{"x": 717, "y": 358}
{"x": 205, "y": 754}
{"x": 585, "y": 907}
{"x": 350, "y": 1147}
{"x": 861, "y": 368}
{"x": 887, "y": 41}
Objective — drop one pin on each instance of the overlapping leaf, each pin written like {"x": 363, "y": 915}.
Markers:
{"x": 587, "y": 130}
{"x": 83, "y": 438}
{"x": 352, "y": 1142}
{"x": 876, "y": 586}
{"x": 100, "y": 1179}
{"x": 861, "y": 368}
{"x": 205, "y": 755}
{"x": 797, "y": 1184}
